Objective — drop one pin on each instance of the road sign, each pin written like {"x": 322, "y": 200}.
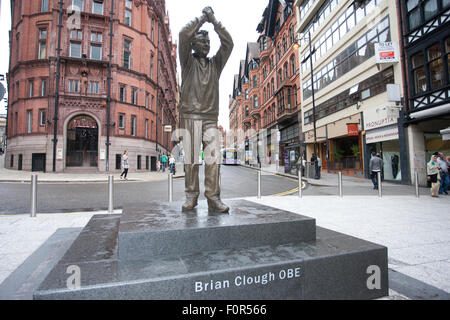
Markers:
{"x": 2, "y": 91}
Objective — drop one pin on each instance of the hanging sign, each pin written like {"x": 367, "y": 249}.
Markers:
{"x": 353, "y": 129}
{"x": 386, "y": 52}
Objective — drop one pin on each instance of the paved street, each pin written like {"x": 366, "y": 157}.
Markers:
{"x": 416, "y": 231}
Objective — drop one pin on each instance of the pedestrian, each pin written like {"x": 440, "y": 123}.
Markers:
{"x": 316, "y": 167}
{"x": 158, "y": 166}
{"x": 375, "y": 166}
{"x": 445, "y": 179}
{"x": 172, "y": 164}
{"x": 433, "y": 175}
{"x": 125, "y": 166}
{"x": 164, "y": 160}
{"x": 319, "y": 166}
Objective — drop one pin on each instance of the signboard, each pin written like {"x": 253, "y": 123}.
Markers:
{"x": 60, "y": 154}
{"x": 2, "y": 91}
{"x": 386, "y": 52}
{"x": 167, "y": 128}
{"x": 445, "y": 134}
{"x": 353, "y": 129}
{"x": 102, "y": 155}
{"x": 382, "y": 134}
{"x": 380, "y": 117}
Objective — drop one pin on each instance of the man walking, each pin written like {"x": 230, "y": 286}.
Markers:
{"x": 375, "y": 166}
{"x": 445, "y": 179}
{"x": 164, "y": 162}
{"x": 199, "y": 107}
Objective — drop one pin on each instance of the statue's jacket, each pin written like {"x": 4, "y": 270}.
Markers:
{"x": 200, "y": 82}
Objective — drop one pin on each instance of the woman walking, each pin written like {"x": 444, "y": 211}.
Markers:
{"x": 125, "y": 166}
{"x": 433, "y": 175}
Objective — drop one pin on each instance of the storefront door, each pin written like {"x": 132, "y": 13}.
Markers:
{"x": 82, "y": 142}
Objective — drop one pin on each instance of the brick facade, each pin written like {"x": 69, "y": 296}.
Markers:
{"x": 143, "y": 80}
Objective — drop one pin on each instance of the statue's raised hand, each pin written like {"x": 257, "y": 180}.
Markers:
{"x": 209, "y": 13}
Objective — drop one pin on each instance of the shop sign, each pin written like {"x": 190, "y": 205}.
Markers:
{"x": 382, "y": 134}
{"x": 380, "y": 117}
{"x": 353, "y": 129}
{"x": 386, "y": 52}
{"x": 445, "y": 134}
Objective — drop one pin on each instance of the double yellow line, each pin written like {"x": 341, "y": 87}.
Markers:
{"x": 286, "y": 193}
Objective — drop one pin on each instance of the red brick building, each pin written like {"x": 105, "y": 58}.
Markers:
{"x": 266, "y": 97}
{"x": 143, "y": 84}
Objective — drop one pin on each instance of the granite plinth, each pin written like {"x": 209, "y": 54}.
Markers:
{"x": 165, "y": 231}
{"x": 331, "y": 266}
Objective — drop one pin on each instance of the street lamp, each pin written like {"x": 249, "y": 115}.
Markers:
{"x": 309, "y": 56}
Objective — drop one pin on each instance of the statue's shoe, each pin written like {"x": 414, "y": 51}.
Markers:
{"x": 190, "y": 204}
{"x": 217, "y": 206}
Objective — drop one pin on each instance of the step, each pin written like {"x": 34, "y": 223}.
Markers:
{"x": 335, "y": 266}
{"x": 162, "y": 230}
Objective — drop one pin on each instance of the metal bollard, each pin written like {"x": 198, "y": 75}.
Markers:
{"x": 170, "y": 187}
{"x": 341, "y": 189}
{"x": 259, "y": 184}
{"x": 380, "y": 185}
{"x": 416, "y": 178}
{"x": 300, "y": 183}
{"x": 34, "y": 179}
{"x": 111, "y": 194}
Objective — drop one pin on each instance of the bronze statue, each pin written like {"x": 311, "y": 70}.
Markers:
{"x": 199, "y": 106}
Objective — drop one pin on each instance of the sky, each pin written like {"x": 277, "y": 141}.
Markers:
{"x": 239, "y": 17}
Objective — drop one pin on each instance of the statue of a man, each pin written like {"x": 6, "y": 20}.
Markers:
{"x": 199, "y": 107}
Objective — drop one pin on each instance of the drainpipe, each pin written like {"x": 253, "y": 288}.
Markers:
{"x": 108, "y": 104}
{"x": 58, "y": 66}
{"x": 404, "y": 168}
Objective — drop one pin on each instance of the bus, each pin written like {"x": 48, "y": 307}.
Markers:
{"x": 230, "y": 157}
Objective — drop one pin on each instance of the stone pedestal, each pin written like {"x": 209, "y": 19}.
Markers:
{"x": 256, "y": 252}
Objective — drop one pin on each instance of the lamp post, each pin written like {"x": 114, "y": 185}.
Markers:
{"x": 309, "y": 56}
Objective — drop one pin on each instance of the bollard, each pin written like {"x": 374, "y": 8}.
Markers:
{"x": 417, "y": 184}
{"x": 170, "y": 187}
{"x": 34, "y": 179}
{"x": 300, "y": 183}
{"x": 341, "y": 189}
{"x": 380, "y": 185}
{"x": 259, "y": 184}
{"x": 111, "y": 194}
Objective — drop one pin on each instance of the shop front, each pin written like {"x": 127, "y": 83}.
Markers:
{"x": 382, "y": 137}
{"x": 290, "y": 148}
{"x": 339, "y": 145}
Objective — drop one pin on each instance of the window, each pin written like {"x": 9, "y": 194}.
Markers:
{"x": 422, "y": 11}
{"x": 44, "y": 6}
{"x": 147, "y": 98}
{"x": 78, "y": 4}
{"x": 133, "y": 126}
{"x": 122, "y": 93}
{"x": 447, "y": 51}
{"x": 94, "y": 87}
{"x": 96, "y": 46}
{"x": 255, "y": 81}
{"x": 152, "y": 30}
{"x": 255, "y": 102}
{"x": 31, "y": 88}
{"x": 121, "y": 121}
{"x": 246, "y": 94}
{"x": 42, "y": 118}
{"x": 42, "y": 44}
{"x": 436, "y": 66}
{"x": 146, "y": 128}
{"x": 152, "y": 64}
{"x": 97, "y": 7}
{"x": 127, "y": 54}
{"x": 43, "y": 88}
{"x": 29, "y": 121}
{"x": 74, "y": 86}
{"x": 75, "y": 44}
{"x": 128, "y": 6}
{"x": 134, "y": 96}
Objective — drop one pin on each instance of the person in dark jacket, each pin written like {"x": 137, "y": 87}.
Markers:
{"x": 375, "y": 166}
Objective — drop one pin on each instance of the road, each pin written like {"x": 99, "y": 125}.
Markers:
{"x": 56, "y": 198}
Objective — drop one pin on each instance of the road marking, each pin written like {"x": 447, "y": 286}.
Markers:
{"x": 288, "y": 192}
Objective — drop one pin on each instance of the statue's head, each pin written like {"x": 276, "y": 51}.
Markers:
{"x": 201, "y": 44}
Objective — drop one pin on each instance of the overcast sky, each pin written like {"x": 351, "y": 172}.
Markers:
{"x": 240, "y": 17}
